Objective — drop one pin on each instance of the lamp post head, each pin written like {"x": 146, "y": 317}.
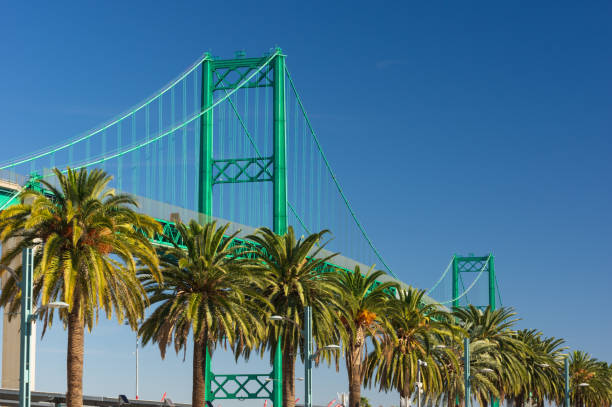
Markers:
{"x": 584, "y": 385}
{"x": 487, "y": 370}
{"x": 276, "y": 318}
{"x": 331, "y": 347}
{"x": 422, "y": 363}
{"x": 544, "y": 365}
{"x": 57, "y": 305}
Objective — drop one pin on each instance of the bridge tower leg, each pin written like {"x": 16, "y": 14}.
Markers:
{"x": 494, "y": 401}
{"x": 492, "y": 282}
{"x": 455, "y": 293}
{"x": 205, "y": 175}
{"x": 280, "y": 147}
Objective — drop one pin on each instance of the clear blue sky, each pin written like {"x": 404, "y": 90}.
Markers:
{"x": 454, "y": 128}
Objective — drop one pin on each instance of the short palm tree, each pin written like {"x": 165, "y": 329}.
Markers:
{"x": 91, "y": 239}
{"x": 416, "y": 328}
{"x": 291, "y": 268}
{"x": 208, "y": 290}
{"x": 363, "y": 307}
{"x": 590, "y": 381}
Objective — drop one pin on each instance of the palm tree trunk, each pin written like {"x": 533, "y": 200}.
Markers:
{"x": 288, "y": 376}
{"x": 354, "y": 368}
{"x": 199, "y": 363}
{"x": 405, "y": 391}
{"x": 74, "y": 360}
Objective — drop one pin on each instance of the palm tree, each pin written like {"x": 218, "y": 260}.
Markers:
{"x": 416, "y": 328}
{"x": 451, "y": 364}
{"x": 293, "y": 281}
{"x": 208, "y": 289}
{"x": 590, "y": 381}
{"x": 542, "y": 361}
{"x": 495, "y": 326}
{"x": 91, "y": 239}
{"x": 363, "y": 306}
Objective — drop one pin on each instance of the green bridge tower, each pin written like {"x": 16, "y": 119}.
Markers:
{"x": 216, "y": 77}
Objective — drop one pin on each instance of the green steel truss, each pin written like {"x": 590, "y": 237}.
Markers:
{"x": 245, "y": 386}
{"x": 237, "y": 170}
{"x": 230, "y": 73}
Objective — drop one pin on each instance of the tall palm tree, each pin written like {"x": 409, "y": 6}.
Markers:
{"x": 208, "y": 290}
{"x": 363, "y": 306}
{"x": 496, "y": 326}
{"x": 91, "y": 239}
{"x": 482, "y": 368}
{"x": 542, "y": 360}
{"x": 293, "y": 281}
{"x": 416, "y": 327}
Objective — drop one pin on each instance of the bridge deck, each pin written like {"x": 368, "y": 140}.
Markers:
{"x": 168, "y": 214}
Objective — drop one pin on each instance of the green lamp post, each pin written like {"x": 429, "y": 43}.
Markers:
{"x": 309, "y": 356}
{"x": 28, "y": 315}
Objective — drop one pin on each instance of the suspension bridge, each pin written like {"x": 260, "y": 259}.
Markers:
{"x": 230, "y": 139}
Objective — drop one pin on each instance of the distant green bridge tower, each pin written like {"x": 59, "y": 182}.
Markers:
{"x": 474, "y": 264}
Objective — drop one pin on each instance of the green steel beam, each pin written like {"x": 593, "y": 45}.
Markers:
{"x": 239, "y": 63}
{"x": 280, "y": 147}
{"x": 205, "y": 180}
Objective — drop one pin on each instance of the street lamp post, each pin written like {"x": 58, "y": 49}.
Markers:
{"x": 308, "y": 355}
{"x": 137, "y": 343}
{"x": 27, "y": 318}
{"x": 419, "y": 385}
{"x": 466, "y": 370}
{"x": 567, "y": 382}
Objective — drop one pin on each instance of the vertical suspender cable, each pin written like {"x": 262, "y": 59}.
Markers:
{"x": 293, "y": 160}
{"x": 162, "y": 162}
{"x": 135, "y": 162}
{"x": 70, "y": 155}
{"x": 232, "y": 143}
{"x": 267, "y": 136}
{"x": 171, "y": 153}
{"x": 196, "y": 141}
{"x": 119, "y": 167}
{"x": 147, "y": 160}
{"x": 256, "y": 132}
{"x": 104, "y": 148}
{"x": 222, "y": 146}
{"x": 184, "y": 145}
